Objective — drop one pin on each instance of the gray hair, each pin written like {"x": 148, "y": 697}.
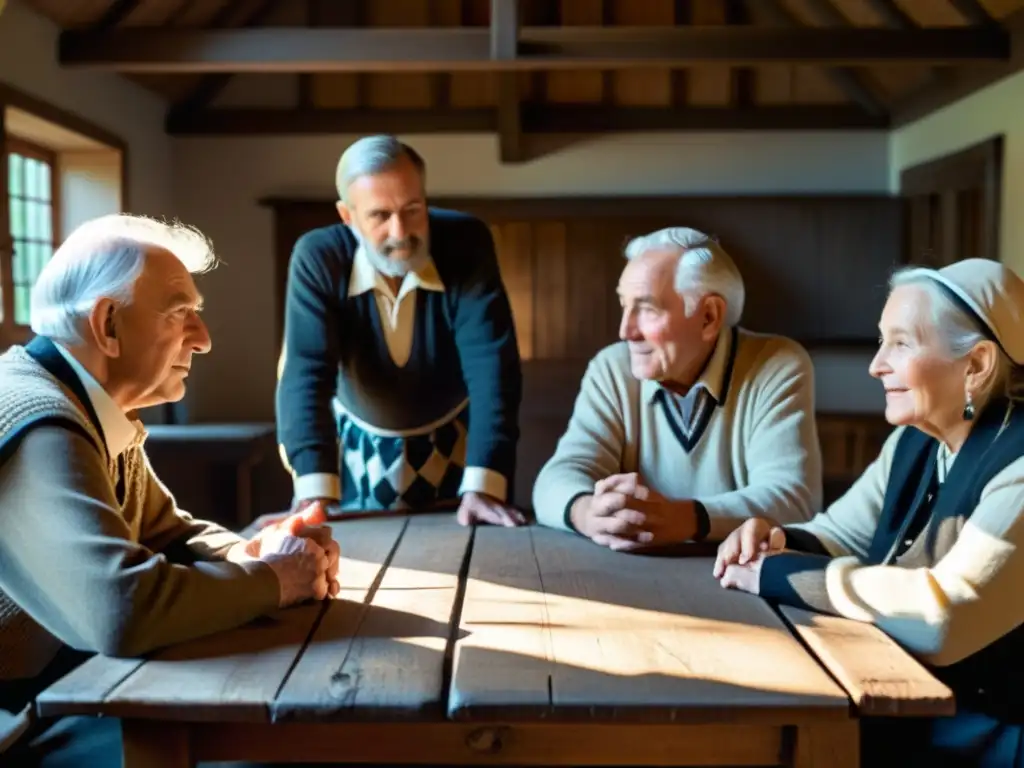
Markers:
{"x": 704, "y": 268}
{"x": 372, "y": 155}
{"x": 959, "y": 333}
{"x": 102, "y": 259}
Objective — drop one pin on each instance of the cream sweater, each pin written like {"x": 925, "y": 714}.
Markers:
{"x": 945, "y": 612}
{"x": 759, "y": 453}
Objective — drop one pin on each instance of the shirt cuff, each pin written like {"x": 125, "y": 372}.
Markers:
{"x": 318, "y": 485}
{"x": 483, "y": 480}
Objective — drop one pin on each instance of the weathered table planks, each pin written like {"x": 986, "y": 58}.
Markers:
{"x": 508, "y": 646}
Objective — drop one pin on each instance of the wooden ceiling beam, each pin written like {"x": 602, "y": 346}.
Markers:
{"x": 974, "y": 12}
{"x": 741, "y": 79}
{"x": 294, "y": 49}
{"x": 959, "y": 83}
{"x": 212, "y": 85}
{"x": 536, "y": 119}
{"x": 847, "y": 80}
{"x": 504, "y": 41}
{"x": 892, "y": 15}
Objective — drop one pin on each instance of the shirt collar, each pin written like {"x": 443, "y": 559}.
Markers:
{"x": 118, "y": 430}
{"x": 365, "y": 278}
{"x": 712, "y": 378}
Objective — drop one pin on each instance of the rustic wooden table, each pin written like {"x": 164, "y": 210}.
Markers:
{"x": 525, "y": 646}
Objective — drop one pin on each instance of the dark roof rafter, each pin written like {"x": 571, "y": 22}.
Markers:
{"x": 535, "y": 119}
{"x": 292, "y": 49}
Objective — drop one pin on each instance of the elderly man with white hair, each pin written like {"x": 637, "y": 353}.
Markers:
{"x": 692, "y": 424}
{"x": 95, "y": 556}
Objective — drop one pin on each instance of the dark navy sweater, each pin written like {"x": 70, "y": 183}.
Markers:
{"x": 464, "y": 344}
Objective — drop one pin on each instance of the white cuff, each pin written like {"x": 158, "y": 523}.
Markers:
{"x": 483, "y": 480}
{"x": 319, "y": 485}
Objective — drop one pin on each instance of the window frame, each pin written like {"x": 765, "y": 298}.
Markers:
{"x": 11, "y": 97}
{"x": 14, "y": 145}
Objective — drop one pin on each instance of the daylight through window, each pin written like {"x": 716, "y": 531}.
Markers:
{"x": 31, "y": 192}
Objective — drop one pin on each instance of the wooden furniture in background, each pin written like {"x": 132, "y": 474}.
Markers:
{"x": 233, "y": 473}
{"x": 529, "y": 646}
{"x": 212, "y": 469}
{"x": 815, "y": 267}
{"x": 849, "y": 443}
{"x": 953, "y": 205}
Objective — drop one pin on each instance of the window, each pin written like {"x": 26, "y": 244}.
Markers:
{"x": 32, "y": 196}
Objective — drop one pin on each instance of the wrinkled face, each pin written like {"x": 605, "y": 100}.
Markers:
{"x": 388, "y": 213}
{"x": 664, "y": 343}
{"x": 924, "y": 388}
{"x": 157, "y": 334}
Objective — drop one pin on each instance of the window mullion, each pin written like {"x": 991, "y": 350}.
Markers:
{"x": 6, "y": 241}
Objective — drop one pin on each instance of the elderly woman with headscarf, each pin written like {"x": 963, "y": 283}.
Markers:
{"x": 927, "y": 543}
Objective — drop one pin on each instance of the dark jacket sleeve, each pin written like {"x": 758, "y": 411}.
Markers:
{"x": 797, "y": 577}
{"x": 309, "y": 359}
{"x": 488, "y": 352}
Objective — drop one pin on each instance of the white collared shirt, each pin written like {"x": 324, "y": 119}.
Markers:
{"x": 398, "y": 319}
{"x": 118, "y": 430}
{"x": 397, "y": 313}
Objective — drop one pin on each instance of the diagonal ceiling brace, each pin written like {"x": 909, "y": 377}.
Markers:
{"x": 892, "y": 15}
{"x": 116, "y": 12}
{"x": 974, "y": 12}
{"x": 211, "y": 85}
{"x": 846, "y": 79}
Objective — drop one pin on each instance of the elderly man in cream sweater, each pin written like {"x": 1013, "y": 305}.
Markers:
{"x": 690, "y": 425}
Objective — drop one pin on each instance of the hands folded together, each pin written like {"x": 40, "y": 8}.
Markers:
{"x": 625, "y": 514}
{"x": 622, "y": 514}
{"x": 740, "y": 556}
{"x": 302, "y": 552}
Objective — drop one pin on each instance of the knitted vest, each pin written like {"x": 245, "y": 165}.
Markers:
{"x": 32, "y": 396}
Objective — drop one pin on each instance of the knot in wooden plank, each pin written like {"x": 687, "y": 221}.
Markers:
{"x": 487, "y": 740}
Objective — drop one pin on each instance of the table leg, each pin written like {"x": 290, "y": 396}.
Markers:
{"x": 832, "y": 745}
{"x": 156, "y": 744}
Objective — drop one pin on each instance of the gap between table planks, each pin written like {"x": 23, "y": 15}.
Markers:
{"x": 556, "y": 627}
{"x": 234, "y": 675}
{"x": 881, "y": 678}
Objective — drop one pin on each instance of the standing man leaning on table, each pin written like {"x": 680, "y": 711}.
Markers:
{"x": 692, "y": 424}
{"x": 95, "y": 556}
{"x": 400, "y": 379}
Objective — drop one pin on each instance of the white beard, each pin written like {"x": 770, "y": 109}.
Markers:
{"x": 392, "y": 267}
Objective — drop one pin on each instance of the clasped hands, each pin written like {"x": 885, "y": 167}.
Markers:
{"x": 740, "y": 557}
{"x": 625, "y": 514}
{"x": 302, "y": 552}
